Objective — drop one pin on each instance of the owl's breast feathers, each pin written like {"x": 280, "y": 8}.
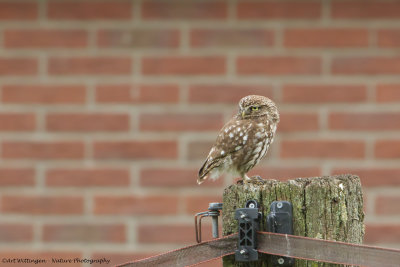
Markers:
{"x": 240, "y": 145}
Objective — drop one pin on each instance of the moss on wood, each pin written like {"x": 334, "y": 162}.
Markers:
{"x": 329, "y": 207}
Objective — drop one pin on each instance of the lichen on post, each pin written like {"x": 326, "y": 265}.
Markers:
{"x": 329, "y": 207}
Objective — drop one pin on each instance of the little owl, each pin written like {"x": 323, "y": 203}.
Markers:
{"x": 244, "y": 140}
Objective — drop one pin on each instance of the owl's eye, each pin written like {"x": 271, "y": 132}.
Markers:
{"x": 254, "y": 108}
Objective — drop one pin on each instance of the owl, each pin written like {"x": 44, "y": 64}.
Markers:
{"x": 243, "y": 141}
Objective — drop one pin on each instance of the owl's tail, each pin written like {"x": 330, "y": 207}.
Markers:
{"x": 203, "y": 173}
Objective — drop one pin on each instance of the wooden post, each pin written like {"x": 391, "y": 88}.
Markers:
{"x": 329, "y": 207}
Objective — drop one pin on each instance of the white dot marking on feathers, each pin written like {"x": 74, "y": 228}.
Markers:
{"x": 238, "y": 147}
{"x": 222, "y": 152}
{"x": 259, "y": 135}
{"x": 245, "y": 138}
{"x": 241, "y": 133}
{"x": 231, "y": 135}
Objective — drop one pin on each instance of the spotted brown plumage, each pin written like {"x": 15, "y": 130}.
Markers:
{"x": 244, "y": 140}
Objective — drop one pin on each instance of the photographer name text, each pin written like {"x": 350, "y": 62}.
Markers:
{"x": 54, "y": 261}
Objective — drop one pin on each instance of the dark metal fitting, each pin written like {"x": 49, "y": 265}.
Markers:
{"x": 248, "y": 223}
{"x": 280, "y": 220}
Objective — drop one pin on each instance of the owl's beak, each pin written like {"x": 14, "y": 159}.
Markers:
{"x": 243, "y": 113}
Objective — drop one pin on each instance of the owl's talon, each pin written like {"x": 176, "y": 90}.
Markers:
{"x": 255, "y": 180}
{"x": 256, "y": 177}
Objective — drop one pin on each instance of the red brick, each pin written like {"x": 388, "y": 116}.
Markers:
{"x": 135, "y": 205}
{"x": 17, "y": 176}
{"x": 8, "y": 254}
{"x": 231, "y": 38}
{"x": 226, "y": 93}
{"x": 172, "y": 178}
{"x": 90, "y": 65}
{"x": 285, "y": 173}
{"x": 366, "y": 10}
{"x": 42, "y": 205}
{"x": 323, "y": 149}
{"x": 389, "y": 38}
{"x": 298, "y": 122}
{"x": 198, "y": 150}
{"x": 184, "y": 65}
{"x": 15, "y": 232}
{"x": 42, "y": 150}
{"x": 43, "y": 94}
{"x": 195, "y": 204}
{"x": 18, "y": 66}
{"x": 278, "y": 10}
{"x": 106, "y": 177}
{"x": 88, "y": 10}
{"x": 91, "y": 122}
{"x": 387, "y": 205}
{"x": 119, "y": 258}
{"x": 366, "y": 65}
{"x": 373, "y": 177}
{"x": 86, "y": 233}
{"x": 334, "y": 38}
{"x": 138, "y": 38}
{"x": 324, "y": 93}
{"x": 17, "y": 122}
{"x": 388, "y": 92}
{"x": 364, "y": 121}
{"x": 387, "y": 149}
{"x": 278, "y": 65}
{"x": 18, "y": 11}
{"x": 135, "y": 150}
{"x": 180, "y": 122}
{"x": 172, "y": 234}
{"x": 375, "y": 233}
{"x": 184, "y": 10}
{"x": 41, "y": 38}
{"x": 126, "y": 93}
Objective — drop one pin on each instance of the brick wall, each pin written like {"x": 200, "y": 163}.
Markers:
{"x": 108, "y": 109}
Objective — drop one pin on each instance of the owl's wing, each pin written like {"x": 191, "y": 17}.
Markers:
{"x": 232, "y": 137}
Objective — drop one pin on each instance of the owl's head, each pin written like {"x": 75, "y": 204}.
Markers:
{"x": 252, "y": 106}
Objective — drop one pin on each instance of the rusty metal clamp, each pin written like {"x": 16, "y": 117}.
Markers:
{"x": 213, "y": 212}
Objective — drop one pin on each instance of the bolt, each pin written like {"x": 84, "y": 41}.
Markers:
{"x": 281, "y": 261}
{"x": 244, "y": 215}
{"x": 279, "y": 205}
{"x": 252, "y": 205}
{"x": 244, "y": 251}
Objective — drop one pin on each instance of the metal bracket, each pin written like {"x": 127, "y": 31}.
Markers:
{"x": 248, "y": 221}
{"x": 280, "y": 220}
{"x": 213, "y": 212}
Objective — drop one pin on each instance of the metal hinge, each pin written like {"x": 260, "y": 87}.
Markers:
{"x": 213, "y": 212}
